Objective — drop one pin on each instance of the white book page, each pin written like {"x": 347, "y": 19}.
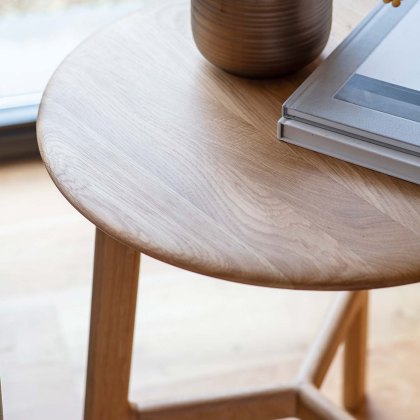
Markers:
{"x": 397, "y": 58}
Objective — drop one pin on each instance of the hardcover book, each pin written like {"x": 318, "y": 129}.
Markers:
{"x": 362, "y": 104}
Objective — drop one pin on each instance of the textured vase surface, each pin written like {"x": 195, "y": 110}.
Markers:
{"x": 261, "y": 38}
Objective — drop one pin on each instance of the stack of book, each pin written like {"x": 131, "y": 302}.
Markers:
{"x": 362, "y": 104}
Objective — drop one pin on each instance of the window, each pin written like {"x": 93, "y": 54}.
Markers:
{"x": 35, "y": 35}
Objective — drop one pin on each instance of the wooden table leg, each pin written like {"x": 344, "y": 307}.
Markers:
{"x": 114, "y": 295}
{"x": 346, "y": 322}
{"x": 355, "y": 358}
{"x": 333, "y": 332}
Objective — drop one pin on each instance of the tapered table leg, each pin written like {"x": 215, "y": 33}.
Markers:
{"x": 114, "y": 294}
{"x": 355, "y": 358}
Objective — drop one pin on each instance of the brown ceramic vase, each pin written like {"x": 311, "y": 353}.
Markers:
{"x": 261, "y": 38}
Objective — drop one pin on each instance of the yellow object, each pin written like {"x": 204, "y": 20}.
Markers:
{"x": 395, "y": 3}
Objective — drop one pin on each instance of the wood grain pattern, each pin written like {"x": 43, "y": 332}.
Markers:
{"x": 43, "y": 362}
{"x": 113, "y": 312}
{"x": 180, "y": 160}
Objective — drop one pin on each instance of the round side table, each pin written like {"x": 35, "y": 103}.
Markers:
{"x": 170, "y": 157}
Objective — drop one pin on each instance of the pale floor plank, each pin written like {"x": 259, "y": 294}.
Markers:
{"x": 194, "y": 336}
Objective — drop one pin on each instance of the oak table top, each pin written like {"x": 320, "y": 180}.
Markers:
{"x": 180, "y": 160}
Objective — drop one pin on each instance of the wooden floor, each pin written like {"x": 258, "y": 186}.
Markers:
{"x": 195, "y": 336}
